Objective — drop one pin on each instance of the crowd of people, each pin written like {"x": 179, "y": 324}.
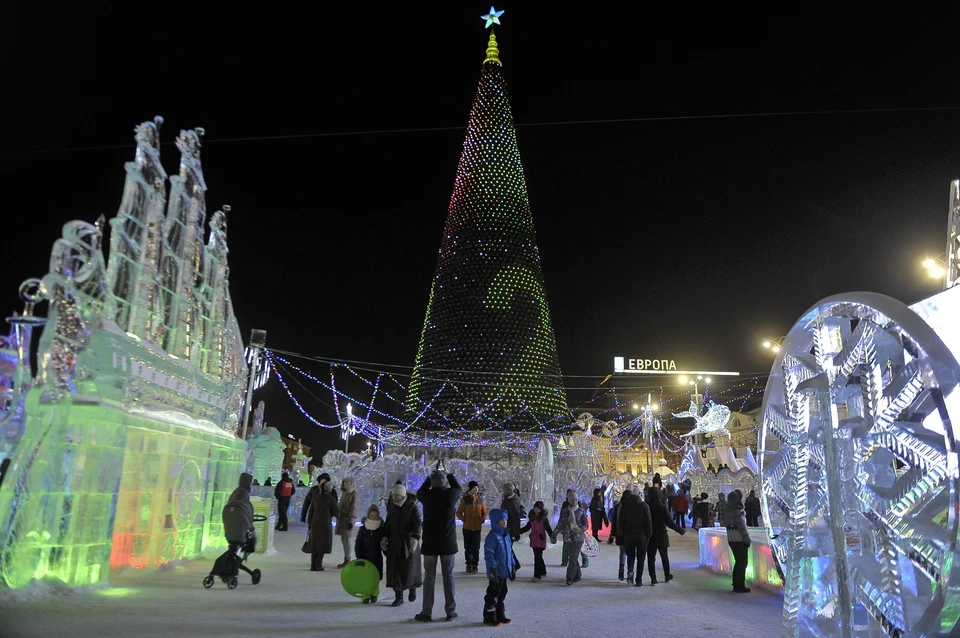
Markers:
{"x": 415, "y": 545}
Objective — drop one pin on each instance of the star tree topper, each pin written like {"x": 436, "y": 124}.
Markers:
{"x": 492, "y": 18}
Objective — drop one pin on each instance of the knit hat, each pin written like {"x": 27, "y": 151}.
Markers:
{"x": 508, "y": 490}
{"x": 472, "y": 484}
{"x": 398, "y": 490}
{"x": 323, "y": 477}
{"x": 540, "y": 505}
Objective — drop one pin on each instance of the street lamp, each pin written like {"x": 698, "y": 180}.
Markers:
{"x": 936, "y": 267}
{"x": 346, "y": 428}
{"x": 649, "y": 425}
{"x": 774, "y": 345}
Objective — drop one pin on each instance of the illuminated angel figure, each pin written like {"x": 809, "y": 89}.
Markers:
{"x": 713, "y": 423}
{"x": 585, "y": 423}
{"x": 610, "y": 429}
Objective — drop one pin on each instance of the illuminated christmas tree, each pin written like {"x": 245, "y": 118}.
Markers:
{"x": 487, "y": 330}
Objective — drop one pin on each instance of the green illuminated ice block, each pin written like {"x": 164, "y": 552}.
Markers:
{"x": 124, "y": 449}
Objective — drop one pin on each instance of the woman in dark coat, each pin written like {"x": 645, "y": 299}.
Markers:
{"x": 660, "y": 520}
{"x": 402, "y": 545}
{"x": 323, "y": 509}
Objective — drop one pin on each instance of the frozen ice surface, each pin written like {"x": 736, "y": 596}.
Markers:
{"x": 293, "y": 601}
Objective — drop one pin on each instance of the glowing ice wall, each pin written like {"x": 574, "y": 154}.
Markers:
{"x": 128, "y": 446}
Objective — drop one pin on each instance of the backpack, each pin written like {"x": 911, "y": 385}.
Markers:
{"x": 680, "y": 503}
{"x": 286, "y": 489}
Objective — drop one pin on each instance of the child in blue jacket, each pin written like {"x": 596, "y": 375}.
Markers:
{"x": 498, "y": 555}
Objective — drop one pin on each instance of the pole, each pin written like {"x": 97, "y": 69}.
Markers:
{"x": 254, "y": 364}
{"x": 258, "y": 339}
{"x": 346, "y": 430}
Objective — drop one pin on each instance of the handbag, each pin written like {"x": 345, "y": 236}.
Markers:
{"x": 306, "y": 545}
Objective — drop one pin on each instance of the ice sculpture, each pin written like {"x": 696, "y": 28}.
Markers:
{"x": 858, "y": 456}
{"x": 265, "y": 449}
{"x": 713, "y": 423}
{"x": 128, "y": 447}
{"x": 543, "y": 488}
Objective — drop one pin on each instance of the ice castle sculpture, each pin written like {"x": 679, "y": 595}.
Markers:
{"x": 121, "y": 450}
{"x": 859, "y": 465}
{"x": 264, "y": 449}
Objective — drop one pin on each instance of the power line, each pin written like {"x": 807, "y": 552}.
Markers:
{"x": 434, "y": 129}
{"x": 369, "y": 366}
{"x": 360, "y": 366}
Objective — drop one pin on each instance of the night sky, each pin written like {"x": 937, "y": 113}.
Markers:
{"x": 673, "y": 222}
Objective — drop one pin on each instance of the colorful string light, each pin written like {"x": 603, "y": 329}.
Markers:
{"x": 431, "y": 429}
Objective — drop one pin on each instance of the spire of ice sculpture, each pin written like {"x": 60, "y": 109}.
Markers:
{"x": 214, "y": 294}
{"x": 135, "y": 238}
{"x": 182, "y": 259}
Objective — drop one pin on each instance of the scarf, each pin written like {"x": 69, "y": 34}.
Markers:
{"x": 574, "y": 509}
{"x": 372, "y": 525}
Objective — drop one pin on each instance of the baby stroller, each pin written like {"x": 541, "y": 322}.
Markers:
{"x": 238, "y": 528}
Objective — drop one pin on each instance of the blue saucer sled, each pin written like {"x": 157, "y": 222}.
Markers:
{"x": 360, "y": 578}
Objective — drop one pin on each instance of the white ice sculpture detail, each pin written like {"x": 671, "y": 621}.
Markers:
{"x": 859, "y": 466}
{"x": 713, "y": 423}
{"x": 543, "y": 482}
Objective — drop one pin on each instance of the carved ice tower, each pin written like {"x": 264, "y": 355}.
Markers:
{"x": 135, "y": 238}
{"x": 182, "y": 260}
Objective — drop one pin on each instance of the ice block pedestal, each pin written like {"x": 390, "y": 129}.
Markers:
{"x": 715, "y": 553}
{"x": 266, "y": 507}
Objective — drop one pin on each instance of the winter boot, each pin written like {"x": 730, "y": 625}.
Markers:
{"x": 398, "y": 600}
{"x": 490, "y": 620}
{"x": 620, "y": 574}
{"x": 503, "y": 620}
{"x": 413, "y": 594}
{"x": 630, "y": 578}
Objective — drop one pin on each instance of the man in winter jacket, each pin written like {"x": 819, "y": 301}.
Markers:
{"x": 751, "y": 507}
{"x": 680, "y": 505}
{"x": 498, "y": 556}
{"x": 598, "y": 513}
{"x": 635, "y": 526}
{"x": 473, "y": 513}
{"x": 439, "y": 494}
{"x": 282, "y": 493}
{"x": 659, "y": 541}
{"x": 703, "y": 514}
{"x": 514, "y": 508}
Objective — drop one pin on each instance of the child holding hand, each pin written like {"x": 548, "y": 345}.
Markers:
{"x": 498, "y": 555}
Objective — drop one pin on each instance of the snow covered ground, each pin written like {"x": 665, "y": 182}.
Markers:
{"x": 293, "y": 601}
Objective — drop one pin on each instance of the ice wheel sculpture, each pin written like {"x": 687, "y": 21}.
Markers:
{"x": 860, "y": 472}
